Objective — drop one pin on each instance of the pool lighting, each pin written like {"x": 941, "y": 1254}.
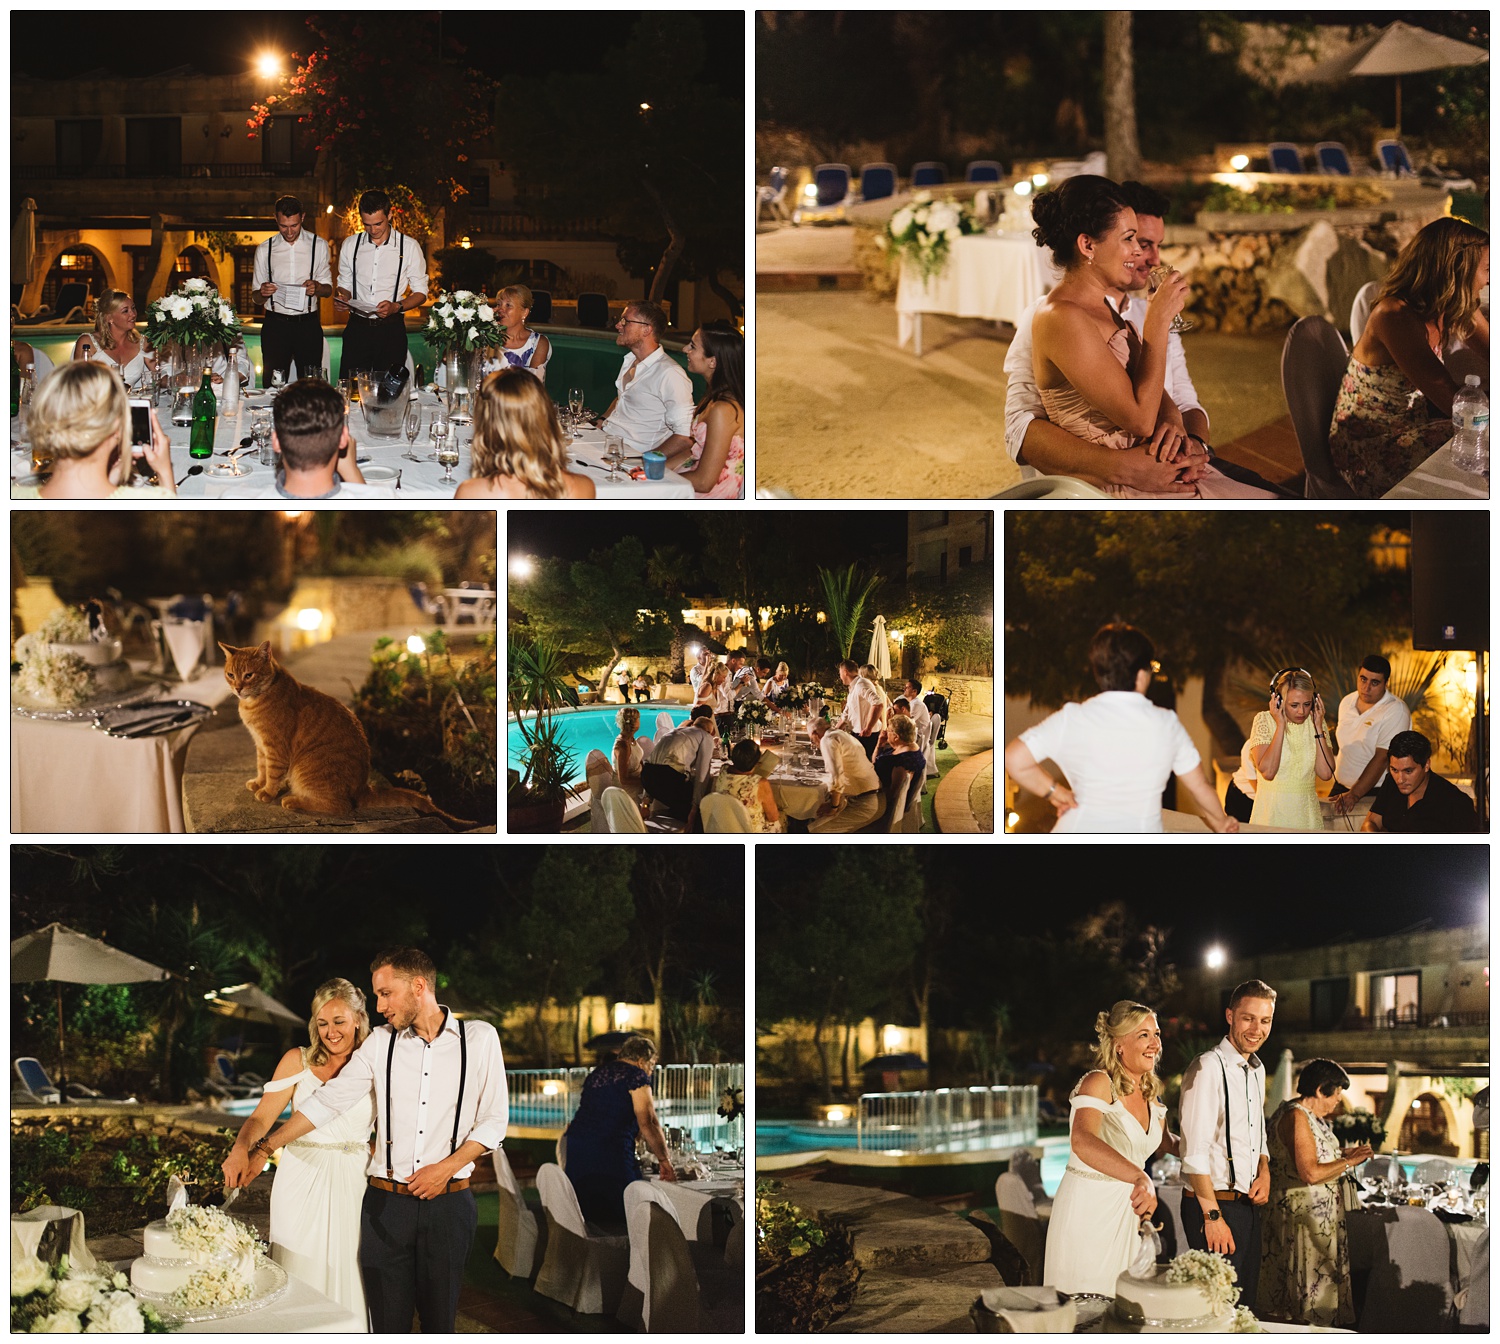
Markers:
{"x": 1240, "y": 162}
{"x": 416, "y": 644}
{"x": 1023, "y": 188}
{"x": 522, "y": 567}
{"x": 1215, "y": 958}
{"x": 838, "y": 1115}
{"x": 1040, "y": 179}
{"x": 551, "y": 1089}
{"x": 268, "y": 65}
{"x": 309, "y": 618}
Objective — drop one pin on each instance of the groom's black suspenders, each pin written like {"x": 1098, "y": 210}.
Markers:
{"x": 463, "y": 1072}
{"x": 1228, "y": 1138}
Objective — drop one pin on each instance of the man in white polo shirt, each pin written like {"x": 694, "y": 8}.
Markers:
{"x": 854, "y": 798}
{"x": 653, "y": 405}
{"x": 1369, "y": 717}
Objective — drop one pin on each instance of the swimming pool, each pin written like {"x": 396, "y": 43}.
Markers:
{"x": 247, "y": 1105}
{"x": 591, "y": 729}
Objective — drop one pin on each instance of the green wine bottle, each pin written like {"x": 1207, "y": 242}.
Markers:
{"x": 15, "y": 384}
{"x": 205, "y": 416}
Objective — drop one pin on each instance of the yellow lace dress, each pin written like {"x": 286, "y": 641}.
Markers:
{"x": 1291, "y": 799}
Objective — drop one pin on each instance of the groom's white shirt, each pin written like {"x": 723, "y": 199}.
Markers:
{"x": 1203, "y": 1148}
{"x": 424, "y": 1088}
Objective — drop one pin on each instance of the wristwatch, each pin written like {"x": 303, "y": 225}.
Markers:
{"x": 1213, "y": 1217}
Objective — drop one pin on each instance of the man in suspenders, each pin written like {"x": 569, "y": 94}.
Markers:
{"x": 384, "y": 267}
{"x": 1224, "y": 1138}
{"x": 441, "y": 1103}
{"x": 291, "y": 274}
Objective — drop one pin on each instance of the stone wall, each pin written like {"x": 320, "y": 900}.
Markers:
{"x": 966, "y": 695}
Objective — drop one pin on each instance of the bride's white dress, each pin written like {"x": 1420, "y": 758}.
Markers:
{"x": 317, "y": 1195}
{"x": 1093, "y": 1235}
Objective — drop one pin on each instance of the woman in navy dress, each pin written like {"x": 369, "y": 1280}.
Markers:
{"x": 614, "y": 1107}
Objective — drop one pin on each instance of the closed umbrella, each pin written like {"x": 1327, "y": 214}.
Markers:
{"x": 251, "y": 1003}
{"x": 1398, "y": 49}
{"x": 23, "y": 244}
{"x": 880, "y": 650}
{"x": 608, "y": 1040}
{"x": 1280, "y": 1087}
{"x": 62, "y": 955}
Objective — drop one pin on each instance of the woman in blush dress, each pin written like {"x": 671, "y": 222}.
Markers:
{"x": 715, "y": 464}
{"x": 1096, "y": 377}
{"x": 1117, "y": 1127}
{"x": 319, "y": 1187}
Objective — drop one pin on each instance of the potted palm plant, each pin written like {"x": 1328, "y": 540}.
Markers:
{"x": 537, "y": 686}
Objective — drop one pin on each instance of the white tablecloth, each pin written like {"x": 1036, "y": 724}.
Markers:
{"x": 421, "y": 480}
{"x": 794, "y": 797}
{"x": 69, "y": 778}
{"x": 693, "y": 1201}
{"x": 1409, "y": 1264}
{"x": 997, "y": 276}
{"x": 1438, "y": 478}
{"x": 301, "y": 1310}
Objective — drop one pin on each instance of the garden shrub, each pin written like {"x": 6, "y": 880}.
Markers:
{"x": 805, "y": 1273}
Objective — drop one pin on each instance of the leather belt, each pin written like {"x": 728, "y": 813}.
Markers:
{"x": 401, "y": 1188}
{"x": 1229, "y": 1196}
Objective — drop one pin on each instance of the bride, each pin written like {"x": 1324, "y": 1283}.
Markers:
{"x": 1117, "y": 1127}
{"x": 320, "y": 1181}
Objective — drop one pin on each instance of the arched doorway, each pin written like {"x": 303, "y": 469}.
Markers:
{"x": 1425, "y": 1128}
{"x": 75, "y": 265}
{"x": 192, "y": 263}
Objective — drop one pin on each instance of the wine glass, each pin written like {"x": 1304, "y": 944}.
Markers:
{"x": 614, "y": 454}
{"x": 575, "y": 406}
{"x": 1154, "y": 278}
{"x": 447, "y": 456}
{"x": 439, "y": 433}
{"x": 411, "y": 426}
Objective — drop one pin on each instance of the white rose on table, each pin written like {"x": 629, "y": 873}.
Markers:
{"x": 28, "y": 1274}
{"x": 943, "y": 216}
{"x": 59, "y": 1323}
{"x": 463, "y": 314}
{"x": 196, "y": 283}
{"x": 116, "y": 1314}
{"x": 463, "y": 295}
{"x": 473, "y": 333}
{"x": 200, "y": 300}
{"x": 448, "y": 322}
{"x": 76, "y": 1292}
{"x": 486, "y": 313}
{"x": 901, "y": 221}
{"x": 953, "y": 234}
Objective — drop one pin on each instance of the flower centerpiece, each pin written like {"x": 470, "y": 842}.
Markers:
{"x": 1210, "y": 1272}
{"x": 60, "y": 1299}
{"x": 751, "y": 714}
{"x": 188, "y": 324}
{"x": 459, "y": 325}
{"x": 923, "y": 231}
{"x": 732, "y": 1103}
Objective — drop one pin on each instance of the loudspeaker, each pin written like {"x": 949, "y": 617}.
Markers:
{"x": 1450, "y": 579}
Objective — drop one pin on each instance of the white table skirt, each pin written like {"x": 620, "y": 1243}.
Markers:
{"x": 301, "y": 1310}
{"x": 1438, "y": 478}
{"x": 693, "y": 1199}
{"x": 70, "y": 778}
{"x": 996, "y": 276}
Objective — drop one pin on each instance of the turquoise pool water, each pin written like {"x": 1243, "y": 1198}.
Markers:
{"x": 247, "y": 1105}
{"x": 586, "y": 730}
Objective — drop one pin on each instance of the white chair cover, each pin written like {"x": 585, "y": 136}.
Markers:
{"x": 1382, "y": 1167}
{"x": 723, "y": 815}
{"x": 929, "y": 748}
{"x": 584, "y": 1272}
{"x": 1313, "y": 361}
{"x": 639, "y": 1197}
{"x": 516, "y": 1245}
{"x": 1359, "y": 311}
{"x": 663, "y": 725}
{"x": 734, "y": 1246}
{"x": 1013, "y": 1194}
{"x": 600, "y": 775}
{"x": 1474, "y": 1310}
{"x": 561, "y": 1149}
{"x": 1433, "y": 1170}
{"x": 1023, "y": 1163}
{"x": 672, "y": 1303}
{"x": 621, "y": 813}
{"x": 1407, "y": 1258}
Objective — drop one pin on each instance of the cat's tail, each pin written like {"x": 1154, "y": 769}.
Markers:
{"x": 392, "y": 797}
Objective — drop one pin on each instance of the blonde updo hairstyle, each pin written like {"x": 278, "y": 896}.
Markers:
{"x": 330, "y": 990}
{"x": 517, "y": 434}
{"x": 107, "y": 307}
{"x": 1120, "y": 1021}
{"x": 78, "y": 410}
{"x": 628, "y": 720}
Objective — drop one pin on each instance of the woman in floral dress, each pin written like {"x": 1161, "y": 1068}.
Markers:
{"x": 1395, "y": 405}
{"x": 1304, "y": 1267}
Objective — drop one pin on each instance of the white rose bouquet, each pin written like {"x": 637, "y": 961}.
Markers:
{"x": 62, "y": 1300}
{"x": 194, "y": 315}
{"x": 922, "y": 232}
{"x": 461, "y": 320}
{"x": 1212, "y": 1273}
{"x": 752, "y": 713}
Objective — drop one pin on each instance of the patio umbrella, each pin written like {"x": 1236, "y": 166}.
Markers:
{"x": 251, "y": 1003}
{"x": 59, "y": 954}
{"x": 23, "y": 245}
{"x": 1279, "y": 1087}
{"x": 608, "y": 1040}
{"x": 1398, "y": 49}
{"x": 880, "y": 650}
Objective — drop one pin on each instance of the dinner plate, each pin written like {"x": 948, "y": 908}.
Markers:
{"x": 381, "y": 475}
{"x": 226, "y": 471}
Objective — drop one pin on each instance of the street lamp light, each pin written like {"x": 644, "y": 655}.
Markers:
{"x": 522, "y": 567}
{"x": 1215, "y": 958}
{"x": 1240, "y": 162}
{"x": 268, "y": 65}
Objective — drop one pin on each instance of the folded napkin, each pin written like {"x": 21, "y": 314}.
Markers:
{"x": 1024, "y": 1311}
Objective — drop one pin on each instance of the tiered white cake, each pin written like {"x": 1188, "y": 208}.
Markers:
{"x": 196, "y": 1257}
{"x": 1153, "y": 1306}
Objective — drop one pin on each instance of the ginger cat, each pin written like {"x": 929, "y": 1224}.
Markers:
{"x": 310, "y": 750}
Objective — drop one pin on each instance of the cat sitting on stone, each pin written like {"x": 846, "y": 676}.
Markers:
{"x": 310, "y": 750}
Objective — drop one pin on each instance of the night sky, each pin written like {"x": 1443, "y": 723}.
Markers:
{"x": 222, "y": 42}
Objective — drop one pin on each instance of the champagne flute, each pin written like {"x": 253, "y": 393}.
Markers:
{"x": 439, "y": 433}
{"x": 411, "y": 425}
{"x": 575, "y": 405}
{"x": 614, "y": 455}
{"x": 1154, "y": 278}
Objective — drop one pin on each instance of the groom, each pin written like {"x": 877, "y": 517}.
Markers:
{"x": 441, "y": 1101}
{"x": 1224, "y": 1138}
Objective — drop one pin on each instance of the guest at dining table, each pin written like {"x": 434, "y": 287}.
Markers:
{"x": 31, "y": 360}
{"x": 864, "y": 707}
{"x": 917, "y": 708}
{"x": 1395, "y": 405}
{"x": 114, "y": 340}
{"x": 315, "y": 455}
{"x": 899, "y": 750}
{"x": 779, "y": 685}
{"x": 1304, "y": 1266}
{"x": 855, "y": 798}
{"x": 653, "y": 405}
{"x": 715, "y": 464}
{"x": 676, "y": 769}
{"x": 744, "y": 680}
{"x": 80, "y": 421}
{"x": 523, "y": 348}
{"x": 627, "y": 756}
{"x": 519, "y": 450}
{"x": 740, "y": 781}
{"x": 615, "y": 1107}
{"x": 1416, "y": 801}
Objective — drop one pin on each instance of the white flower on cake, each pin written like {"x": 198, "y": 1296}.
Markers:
{"x": 210, "y": 1232}
{"x": 1210, "y": 1272}
{"x": 29, "y": 1275}
{"x": 66, "y": 625}
{"x": 116, "y": 1313}
{"x": 218, "y": 1287}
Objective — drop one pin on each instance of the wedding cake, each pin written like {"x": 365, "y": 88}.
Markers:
{"x": 71, "y": 659}
{"x": 196, "y": 1258}
{"x": 1195, "y": 1294}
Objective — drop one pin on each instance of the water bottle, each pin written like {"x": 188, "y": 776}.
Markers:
{"x": 232, "y": 381}
{"x": 1471, "y": 428}
{"x": 205, "y": 415}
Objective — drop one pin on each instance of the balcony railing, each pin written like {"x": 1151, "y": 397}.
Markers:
{"x": 1394, "y": 1021}
{"x": 947, "y": 1119}
{"x": 686, "y": 1095}
{"x": 510, "y": 225}
{"x": 53, "y": 172}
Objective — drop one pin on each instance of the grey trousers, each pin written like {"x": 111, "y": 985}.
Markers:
{"x": 412, "y": 1254}
{"x": 857, "y": 812}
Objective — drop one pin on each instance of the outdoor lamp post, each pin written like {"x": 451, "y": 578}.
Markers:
{"x": 1215, "y": 958}
{"x": 522, "y": 567}
{"x": 268, "y": 65}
